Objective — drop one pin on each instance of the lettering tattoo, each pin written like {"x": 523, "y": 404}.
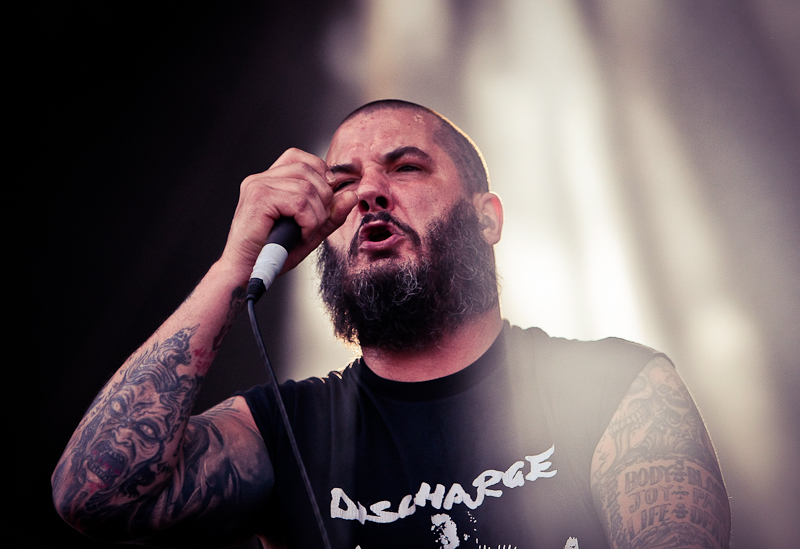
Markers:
{"x": 655, "y": 474}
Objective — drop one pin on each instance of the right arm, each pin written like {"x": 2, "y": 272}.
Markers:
{"x": 138, "y": 464}
{"x": 222, "y": 478}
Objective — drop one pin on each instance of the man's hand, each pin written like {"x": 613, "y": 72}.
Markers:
{"x": 297, "y": 185}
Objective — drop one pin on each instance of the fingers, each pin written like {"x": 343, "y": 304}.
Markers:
{"x": 292, "y": 156}
{"x": 297, "y": 185}
{"x": 289, "y": 191}
{"x": 303, "y": 166}
{"x": 341, "y": 205}
{"x": 338, "y": 205}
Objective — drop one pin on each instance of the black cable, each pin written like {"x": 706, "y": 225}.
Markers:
{"x": 285, "y": 417}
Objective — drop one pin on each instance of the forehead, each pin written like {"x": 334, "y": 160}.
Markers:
{"x": 381, "y": 131}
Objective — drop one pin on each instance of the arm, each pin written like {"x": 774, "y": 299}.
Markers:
{"x": 137, "y": 463}
{"x": 222, "y": 477}
{"x": 655, "y": 477}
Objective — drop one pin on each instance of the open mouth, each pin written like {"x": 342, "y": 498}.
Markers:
{"x": 106, "y": 463}
{"x": 379, "y": 235}
{"x": 377, "y": 232}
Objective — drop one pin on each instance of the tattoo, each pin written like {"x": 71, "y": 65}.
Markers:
{"x": 656, "y": 475}
{"x": 123, "y": 440}
{"x": 138, "y": 467}
{"x": 237, "y": 300}
{"x": 215, "y": 473}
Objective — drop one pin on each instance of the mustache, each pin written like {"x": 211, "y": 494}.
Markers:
{"x": 385, "y": 217}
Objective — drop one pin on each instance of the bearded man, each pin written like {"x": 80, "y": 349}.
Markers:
{"x": 453, "y": 429}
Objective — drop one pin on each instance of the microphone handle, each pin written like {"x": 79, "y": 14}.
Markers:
{"x": 285, "y": 234}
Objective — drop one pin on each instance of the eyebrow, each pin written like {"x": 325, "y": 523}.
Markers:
{"x": 405, "y": 151}
{"x": 388, "y": 158}
{"x": 343, "y": 168}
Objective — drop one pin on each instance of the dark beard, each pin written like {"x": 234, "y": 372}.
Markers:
{"x": 410, "y": 306}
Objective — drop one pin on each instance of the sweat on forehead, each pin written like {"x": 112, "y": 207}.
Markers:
{"x": 459, "y": 147}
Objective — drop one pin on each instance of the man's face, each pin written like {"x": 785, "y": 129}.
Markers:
{"x": 410, "y": 263}
{"x": 389, "y": 158}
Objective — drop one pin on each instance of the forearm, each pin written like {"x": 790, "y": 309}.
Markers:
{"x": 128, "y": 444}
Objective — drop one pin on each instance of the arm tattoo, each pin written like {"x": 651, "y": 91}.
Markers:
{"x": 656, "y": 477}
{"x": 235, "y": 305}
{"x": 225, "y": 470}
{"x": 123, "y": 443}
{"x": 138, "y": 466}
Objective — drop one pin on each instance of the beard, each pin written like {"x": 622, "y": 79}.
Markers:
{"x": 413, "y": 304}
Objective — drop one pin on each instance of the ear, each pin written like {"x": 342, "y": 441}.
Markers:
{"x": 490, "y": 213}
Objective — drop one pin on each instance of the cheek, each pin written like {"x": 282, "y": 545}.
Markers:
{"x": 147, "y": 448}
{"x": 421, "y": 212}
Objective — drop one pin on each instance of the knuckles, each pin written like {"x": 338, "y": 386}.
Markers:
{"x": 298, "y": 177}
{"x": 295, "y": 186}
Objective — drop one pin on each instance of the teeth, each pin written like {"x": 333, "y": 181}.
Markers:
{"x": 106, "y": 463}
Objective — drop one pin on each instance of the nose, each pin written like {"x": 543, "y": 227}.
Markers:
{"x": 123, "y": 436}
{"x": 374, "y": 193}
{"x": 123, "y": 433}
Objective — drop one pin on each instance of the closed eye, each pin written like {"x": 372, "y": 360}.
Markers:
{"x": 342, "y": 184}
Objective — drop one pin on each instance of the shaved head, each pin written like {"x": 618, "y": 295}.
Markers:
{"x": 459, "y": 147}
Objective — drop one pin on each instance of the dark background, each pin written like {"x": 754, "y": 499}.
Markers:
{"x": 143, "y": 120}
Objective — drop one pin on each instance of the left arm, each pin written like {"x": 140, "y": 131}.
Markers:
{"x": 655, "y": 477}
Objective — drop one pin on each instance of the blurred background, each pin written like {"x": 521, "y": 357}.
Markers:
{"x": 647, "y": 153}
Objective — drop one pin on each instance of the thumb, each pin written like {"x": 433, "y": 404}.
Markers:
{"x": 341, "y": 206}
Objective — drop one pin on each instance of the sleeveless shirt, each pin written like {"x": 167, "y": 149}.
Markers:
{"x": 497, "y": 455}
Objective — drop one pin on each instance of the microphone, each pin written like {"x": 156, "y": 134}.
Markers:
{"x": 285, "y": 234}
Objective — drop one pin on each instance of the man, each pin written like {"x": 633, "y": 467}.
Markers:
{"x": 452, "y": 430}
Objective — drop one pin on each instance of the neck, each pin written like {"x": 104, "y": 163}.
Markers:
{"x": 454, "y": 352}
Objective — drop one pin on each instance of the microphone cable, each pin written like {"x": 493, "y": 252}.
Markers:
{"x": 285, "y": 234}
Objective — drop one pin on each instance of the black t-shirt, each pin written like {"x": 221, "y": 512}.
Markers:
{"x": 495, "y": 455}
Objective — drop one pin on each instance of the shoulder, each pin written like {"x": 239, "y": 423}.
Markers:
{"x": 536, "y": 343}
{"x": 309, "y": 397}
{"x": 654, "y": 452}
{"x": 577, "y": 385}
{"x": 582, "y": 367}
